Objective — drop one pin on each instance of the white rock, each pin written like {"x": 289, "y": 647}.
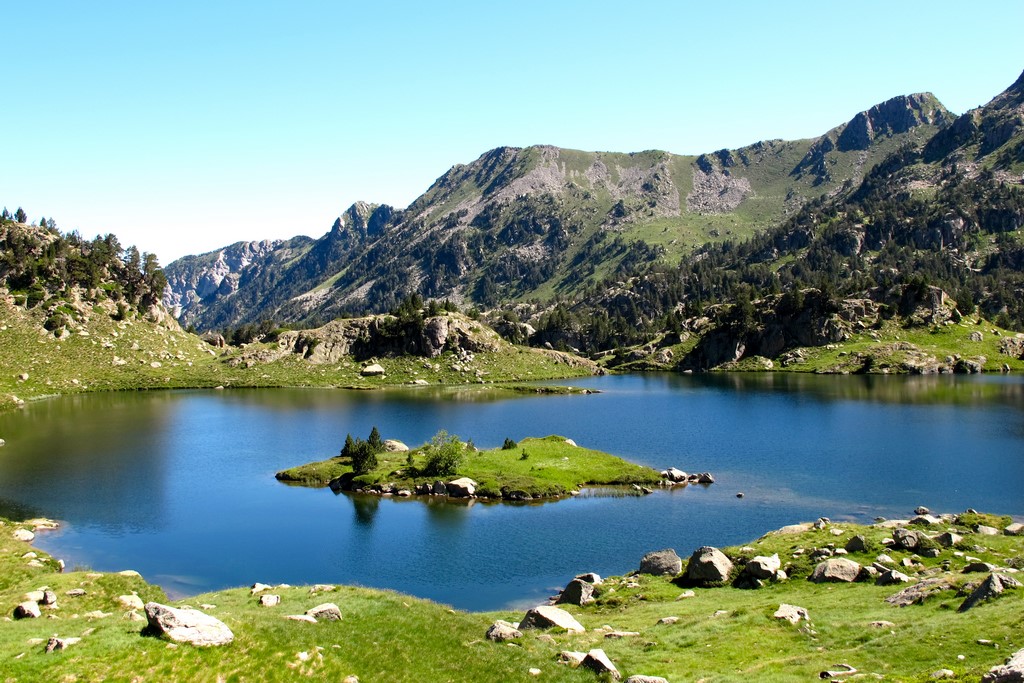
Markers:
{"x": 187, "y": 625}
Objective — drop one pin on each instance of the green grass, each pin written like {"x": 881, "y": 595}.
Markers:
{"x": 136, "y": 354}
{"x": 551, "y": 468}
{"x": 723, "y": 634}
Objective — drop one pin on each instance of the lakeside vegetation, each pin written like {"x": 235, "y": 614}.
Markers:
{"x": 719, "y": 633}
{"x": 546, "y": 467}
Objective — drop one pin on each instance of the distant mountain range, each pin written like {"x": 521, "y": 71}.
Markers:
{"x": 543, "y": 222}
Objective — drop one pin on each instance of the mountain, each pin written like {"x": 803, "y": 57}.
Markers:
{"x": 929, "y": 241}
{"x": 538, "y": 222}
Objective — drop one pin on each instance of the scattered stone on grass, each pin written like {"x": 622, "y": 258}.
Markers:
{"x": 919, "y": 592}
{"x": 791, "y": 613}
{"x": 1011, "y": 671}
{"x": 27, "y": 610}
{"x": 327, "y": 611}
{"x": 187, "y": 625}
{"x": 301, "y": 617}
{"x": 269, "y": 600}
{"x": 646, "y": 679}
{"x": 501, "y": 631}
{"x": 836, "y": 569}
{"x": 598, "y": 662}
{"x": 546, "y": 616}
{"x": 132, "y": 601}
{"x": 571, "y": 657}
{"x": 55, "y": 643}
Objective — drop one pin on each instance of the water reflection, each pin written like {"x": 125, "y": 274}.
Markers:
{"x": 181, "y": 485}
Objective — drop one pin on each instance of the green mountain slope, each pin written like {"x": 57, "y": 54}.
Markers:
{"x": 543, "y": 221}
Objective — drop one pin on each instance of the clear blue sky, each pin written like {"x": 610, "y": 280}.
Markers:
{"x": 185, "y": 126}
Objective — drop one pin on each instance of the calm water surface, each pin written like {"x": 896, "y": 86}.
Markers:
{"x": 180, "y": 485}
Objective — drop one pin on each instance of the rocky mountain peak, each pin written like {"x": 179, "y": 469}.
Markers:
{"x": 892, "y": 117}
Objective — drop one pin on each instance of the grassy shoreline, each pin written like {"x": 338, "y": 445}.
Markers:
{"x": 719, "y": 633}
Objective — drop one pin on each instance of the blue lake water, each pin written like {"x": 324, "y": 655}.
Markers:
{"x": 180, "y": 485}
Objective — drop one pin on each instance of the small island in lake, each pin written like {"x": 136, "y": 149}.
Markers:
{"x": 548, "y": 467}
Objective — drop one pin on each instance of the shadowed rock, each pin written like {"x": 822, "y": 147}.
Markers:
{"x": 708, "y": 565}
{"x": 1012, "y": 671}
{"x": 577, "y": 592}
{"x": 991, "y": 588}
{"x": 661, "y": 562}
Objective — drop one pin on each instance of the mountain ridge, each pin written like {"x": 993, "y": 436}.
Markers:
{"x": 542, "y": 220}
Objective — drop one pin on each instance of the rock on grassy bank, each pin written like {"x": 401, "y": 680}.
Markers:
{"x": 671, "y": 618}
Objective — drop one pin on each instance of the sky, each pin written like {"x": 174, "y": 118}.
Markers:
{"x": 184, "y": 126}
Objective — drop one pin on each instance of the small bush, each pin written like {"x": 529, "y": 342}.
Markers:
{"x": 445, "y": 454}
{"x": 508, "y": 445}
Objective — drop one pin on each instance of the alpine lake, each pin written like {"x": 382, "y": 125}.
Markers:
{"x": 180, "y": 485}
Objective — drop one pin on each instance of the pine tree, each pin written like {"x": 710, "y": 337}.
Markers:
{"x": 376, "y": 443}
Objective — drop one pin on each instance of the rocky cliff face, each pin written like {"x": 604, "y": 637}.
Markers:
{"x": 894, "y": 117}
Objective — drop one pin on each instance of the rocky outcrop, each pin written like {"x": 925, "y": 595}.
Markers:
{"x": 377, "y": 336}
{"x": 187, "y": 625}
{"x": 1011, "y": 671}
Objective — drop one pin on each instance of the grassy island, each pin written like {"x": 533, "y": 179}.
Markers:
{"x": 656, "y": 625}
{"x": 533, "y": 468}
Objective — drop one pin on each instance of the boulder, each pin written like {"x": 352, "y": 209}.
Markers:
{"x": 187, "y": 625}
{"x": 1012, "y": 671}
{"x": 646, "y": 679}
{"x": 791, "y": 613}
{"x": 984, "y": 530}
{"x": 394, "y": 446}
{"x": 546, "y": 616}
{"x": 373, "y": 370}
{"x": 132, "y": 601}
{"x": 598, "y": 662}
{"x": 325, "y": 612}
{"x": 763, "y": 568}
{"x": 978, "y": 567}
{"x": 948, "y": 539}
{"x": 501, "y": 631}
{"x": 300, "y": 617}
{"x": 23, "y": 535}
{"x": 708, "y": 565}
{"x": 259, "y": 588}
{"x": 919, "y": 592}
{"x": 27, "y": 610}
{"x": 990, "y": 588}
{"x": 571, "y": 657}
{"x": 908, "y": 539}
{"x": 836, "y": 569}
{"x": 1015, "y": 529}
{"x": 577, "y": 592}
{"x": 891, "y": 577}
{"x": 674, "y": 475}
{"x": 439, "y": 489}
{"x": 590, "y": 577}
{"x": 268, "y": 600}
{"x": 55, "y": 643}
{"x": 857, "y": 544}
{"x": 661, "y": 562}
{"x": 463, "y": 487}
